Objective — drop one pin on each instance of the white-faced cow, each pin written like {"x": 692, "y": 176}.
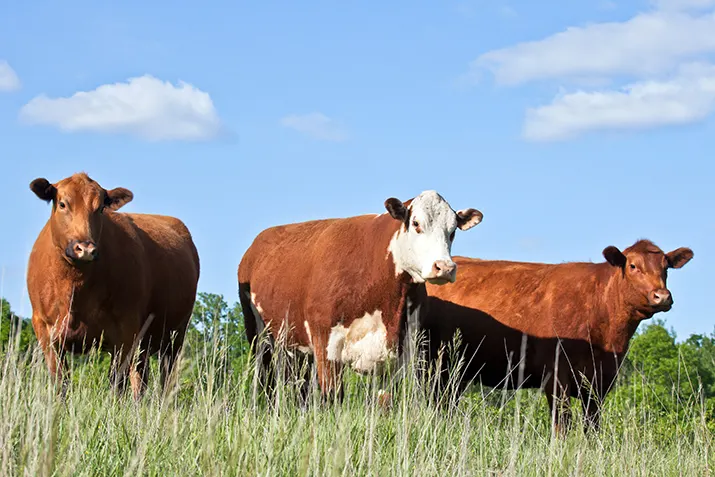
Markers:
{"x": 340, "y": 287}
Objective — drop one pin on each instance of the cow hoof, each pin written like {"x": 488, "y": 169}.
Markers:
{"x": 384, "y": 400}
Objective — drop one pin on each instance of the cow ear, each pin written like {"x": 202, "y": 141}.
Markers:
{"x": 678, "y": 258}
{"x": 43, "y": 189}
{"x": 614, "y": 256}
{"x": 117, "y": 198}
{"x": 396, "y": 209}
{"x": 468, "y": 218}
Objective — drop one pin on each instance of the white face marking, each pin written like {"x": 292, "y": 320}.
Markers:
{"x": 416, "y": 253}
{"x": 363, "y": 344}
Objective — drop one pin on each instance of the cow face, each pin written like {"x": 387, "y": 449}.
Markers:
{"x": 422, "y": 247}
{"x": 78, "y": 205}
{"x": 645, "y": 268}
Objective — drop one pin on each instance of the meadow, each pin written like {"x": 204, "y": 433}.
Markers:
{"x": 216, "y": 420}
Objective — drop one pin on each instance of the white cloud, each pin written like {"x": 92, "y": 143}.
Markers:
{"x": 144, "y": 106}
{"x": 687, "y": 97}
{"x": 649, "y": 43}
{"x": 683, "y": 4}
{"x": 8, "y": 78}
{"x": 316, "y": 125}
{"x": 648, "y": 71}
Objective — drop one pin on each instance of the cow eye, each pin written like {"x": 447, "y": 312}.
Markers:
{"x": 416, "y": 226}
{"x": 633, "y": 267}
{"x": 62, "y": 205}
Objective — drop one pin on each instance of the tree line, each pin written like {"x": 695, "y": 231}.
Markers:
{"x": 658, "y": 368}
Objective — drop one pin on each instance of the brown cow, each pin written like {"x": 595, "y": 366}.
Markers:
{"x": 97, "y": 275}
{"x": 577, "y": 320}
{"x": 341, "y": 287}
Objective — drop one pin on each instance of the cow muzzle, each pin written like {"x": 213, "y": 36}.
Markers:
{"x": 661, "y": 299}
{"x": 443, "y": 271}
{"x": 85, "y": 251}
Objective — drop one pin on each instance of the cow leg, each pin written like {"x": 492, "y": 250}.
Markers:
{"x": 258, "y": 341}
{"x": 117, "y": 370}
{"x": 591, "y": 413}
{"x": 329, "y": 372}
{"x": 304, "y": 374}
{"x": 591, "y": 400}
{"x": 168, "y": 355}
{"x": 54, "y": 358}
{"x": 123, "y": 367}
{"x": 559, "y": 408}
{"x": 139, "y": 372}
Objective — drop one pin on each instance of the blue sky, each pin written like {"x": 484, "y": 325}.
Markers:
{"x": 571, "y": 125}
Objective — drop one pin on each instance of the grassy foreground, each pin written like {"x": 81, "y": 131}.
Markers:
{"x": 216, "y": 422}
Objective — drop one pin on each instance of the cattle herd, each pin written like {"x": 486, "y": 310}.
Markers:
{"x": 342, "y": 292}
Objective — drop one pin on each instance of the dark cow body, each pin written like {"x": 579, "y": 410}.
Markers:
{"x": 336, "y": 287}
{"x": 97, "y": 274}
{"x": 577, "y": 319}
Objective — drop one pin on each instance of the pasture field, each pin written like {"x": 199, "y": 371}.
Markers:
{"x": 215, "y": 421}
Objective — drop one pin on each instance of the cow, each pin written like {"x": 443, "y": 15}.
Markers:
{"x": 126, "y": 282}
{"x": 564, "y": 327}
{"x": 338, "y": 290}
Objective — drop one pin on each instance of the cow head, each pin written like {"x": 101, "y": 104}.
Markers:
{"x": 422, "y": 246}
{"x": 645, "y": 269}
{"x": 78, "y": 204}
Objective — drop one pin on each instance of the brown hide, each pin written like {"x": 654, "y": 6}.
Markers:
{"x": 142, "y": 283}
{"x": 323, "y": 272}
{"x": 589, "y": 311}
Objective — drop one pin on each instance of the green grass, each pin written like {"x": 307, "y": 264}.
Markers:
{"x": 217, "y": 422}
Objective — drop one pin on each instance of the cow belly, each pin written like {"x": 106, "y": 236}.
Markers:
{"x": 76, "y": 337}
{"x": 363, "y": 344}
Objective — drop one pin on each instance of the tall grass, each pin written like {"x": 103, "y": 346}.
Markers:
{"x": 216, "y": 421}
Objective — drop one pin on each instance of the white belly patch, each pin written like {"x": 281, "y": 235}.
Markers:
{"x": 363, "y": 344}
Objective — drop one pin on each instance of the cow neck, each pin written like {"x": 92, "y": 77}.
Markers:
{"x": 623, "y": 318}
{"x": 398, "y": 286}
{"x": 82, "y": 275}
{"x": 385, "y": 228}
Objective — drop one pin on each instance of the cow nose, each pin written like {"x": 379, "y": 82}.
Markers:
{"x": 444, "y": 269}
{"x": 84, "y": 251}
{"x": 660, "y": 297}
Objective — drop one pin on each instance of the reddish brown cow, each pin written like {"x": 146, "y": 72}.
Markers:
{"x": 577, "y": 320}
{"x": 341, "y": 287}
{"x": 97, "y": 275}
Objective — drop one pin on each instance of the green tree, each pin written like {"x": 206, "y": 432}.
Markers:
{"x": 703, "y": 347}
{"x": 12, "y": 325}
{"x": 668, "y": 367}
{"x": 215, "y": 324}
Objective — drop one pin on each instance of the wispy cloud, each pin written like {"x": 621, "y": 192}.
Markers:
{"x": 144, "y": 106}
{"x": 687, "y": 97}
{"x": 657, "y": 64}
{"x": 9, "y": 80}
{"x": 316, "y": 125}
{"x": 647, "y": 44}
{"x": 683, "y": 4}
